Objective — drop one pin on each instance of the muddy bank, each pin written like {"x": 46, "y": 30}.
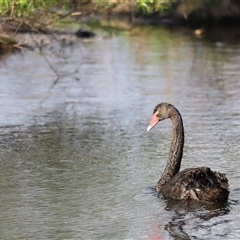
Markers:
{"x": 20, "y": 33}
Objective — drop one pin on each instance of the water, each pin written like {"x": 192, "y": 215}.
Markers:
{"x": 76, "y": 160}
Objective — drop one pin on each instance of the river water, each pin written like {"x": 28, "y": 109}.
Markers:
{"x": 76, "y": 161}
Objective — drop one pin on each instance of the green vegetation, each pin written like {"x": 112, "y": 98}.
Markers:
{"x": 16, "y": 8}
{"x": 150, "y": 6}
{"x": 194, "y": 13}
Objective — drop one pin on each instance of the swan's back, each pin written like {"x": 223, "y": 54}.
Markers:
{"x": 196, "y": 183}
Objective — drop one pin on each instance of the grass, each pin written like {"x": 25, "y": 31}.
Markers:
{"x": 17, "y": 8}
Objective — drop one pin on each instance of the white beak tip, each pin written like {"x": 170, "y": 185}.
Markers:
{"x": 149, "y": 128}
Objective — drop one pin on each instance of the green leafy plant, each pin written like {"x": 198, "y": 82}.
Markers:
{"x": 23, "y": 7}
{"x": 150, "y": 6}
{"x": 26, "y": 7}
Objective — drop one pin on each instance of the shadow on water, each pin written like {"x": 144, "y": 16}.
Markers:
{"x": 186, "y": 212}
{"x": 190, "y": 219}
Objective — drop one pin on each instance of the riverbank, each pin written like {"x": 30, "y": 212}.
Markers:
{"x": 198, "y": 16}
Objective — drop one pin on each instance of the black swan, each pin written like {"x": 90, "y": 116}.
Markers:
{"x": 193, "y": 183}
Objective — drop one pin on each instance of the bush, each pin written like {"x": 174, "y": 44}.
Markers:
{"x": 23, "y": 7}
{"x": 150, "y": 6}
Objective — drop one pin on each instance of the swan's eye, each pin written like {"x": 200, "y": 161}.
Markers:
{"x": 160, "y": 115}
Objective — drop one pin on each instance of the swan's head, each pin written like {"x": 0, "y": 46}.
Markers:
{"x": 160, "y": 112}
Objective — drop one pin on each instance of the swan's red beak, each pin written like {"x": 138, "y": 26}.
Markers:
{"x": 154, "y": 121}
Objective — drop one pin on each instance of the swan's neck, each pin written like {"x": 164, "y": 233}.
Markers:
{"x": 176, "y": 150}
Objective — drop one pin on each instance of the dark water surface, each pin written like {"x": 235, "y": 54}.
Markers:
{"x": 76, "y": 161}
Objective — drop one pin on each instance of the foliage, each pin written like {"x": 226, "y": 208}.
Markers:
{"x": 26, "y": 7}
{"x": 105, "y": 4}
{"x": 143, "y": 6}
{"x": 23, "y": 7}
{"x": 150, "y": 6}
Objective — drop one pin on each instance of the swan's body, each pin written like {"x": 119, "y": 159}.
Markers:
{"x": 192, "y": 183}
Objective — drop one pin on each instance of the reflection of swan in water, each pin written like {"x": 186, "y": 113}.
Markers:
{"x": 193, "y": 183}
{"x": 196, "y": 220}
{"x": 183, "y": 220}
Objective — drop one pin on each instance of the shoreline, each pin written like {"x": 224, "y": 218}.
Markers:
{"x": 198, "y": 19}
